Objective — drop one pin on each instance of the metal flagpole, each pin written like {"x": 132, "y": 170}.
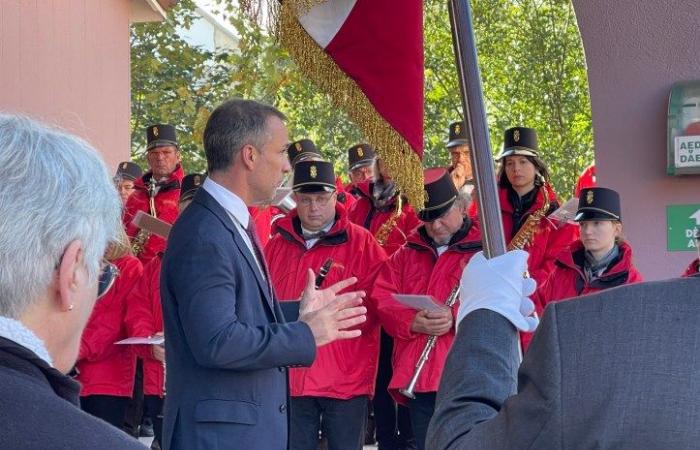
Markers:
{"x": 475, "y": 117}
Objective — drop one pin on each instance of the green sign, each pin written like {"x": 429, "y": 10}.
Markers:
{"x": 683, "y": 222}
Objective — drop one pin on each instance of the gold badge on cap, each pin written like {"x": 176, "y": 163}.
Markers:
{"x": 589, "y": 197}
{"x": 197, "y": 180}
{"x": 297, "y": 146}
{"x": 458, "y": 128}
{"x": 313, "y": 172}
{"x": 155, "y": 131}
{"x": 360, "y": 153}
{"x": 124, "y": 165}
{"x": 516, "y": 135}
{"x": 427, "y": 197}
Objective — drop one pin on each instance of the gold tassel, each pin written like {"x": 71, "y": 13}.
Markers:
{"x": 403, "y": 163}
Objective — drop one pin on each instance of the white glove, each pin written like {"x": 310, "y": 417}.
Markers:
{"x": 498, "y": 284}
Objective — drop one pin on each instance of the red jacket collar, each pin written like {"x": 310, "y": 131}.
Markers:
{"x": 507, "y": 208}
{"x": 177, "y": 176}
{"x": 290, "y": 226}
{"x": 623, "y": 264}
{"x": 471, "y": 240}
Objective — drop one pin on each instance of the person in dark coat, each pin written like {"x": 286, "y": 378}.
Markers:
{"x": 54, "y": 235}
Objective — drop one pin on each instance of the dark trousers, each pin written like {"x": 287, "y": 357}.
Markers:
{"x": 421, "y": 408}
{"x": 134, "y": 410}
{"x": 393, "y": 424}
{"x": 153, "y": 408}
{"x": 343, "y": 423}
{"x": 109, "y": 408}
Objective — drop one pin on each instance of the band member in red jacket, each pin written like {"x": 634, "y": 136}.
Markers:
{"x": 361, "y": 166}
{"x": 430, "y": 263}
{"x": 340, "y": 382}
{"x": 127, "y": 174}
{"x": 106, "y": 370}
{"x": 460, "y": 165}
{"x": 144, "y": 318}
{"x": 693, "y": 269}
{"x": 599, "y": 260}
{"x": 527, "y": 199}
{"x": 157, "y": 191}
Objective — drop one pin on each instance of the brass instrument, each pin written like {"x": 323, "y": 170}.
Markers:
{"x": 142, "y": 236}
{"x": 425, "y": 354}
{"x": 387, "y": 227}
{"x": 525, "y": 234}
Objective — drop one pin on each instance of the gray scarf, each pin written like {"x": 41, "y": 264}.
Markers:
{"x": 593, "y": 268}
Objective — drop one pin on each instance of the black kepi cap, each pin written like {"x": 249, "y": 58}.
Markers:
{"x": 598, "y": 203}
{"x": 159, "y": 135}
{"x": 440, "y": 194}
{"x": 313, "y": 176}
{"x": 519, "y": 141}
{"x": 360, "y": 155}
{"x": 127, "y": 170}
{"x": 457, "y": 135}
{"x": 301, "y": 150}
{"x": 190, "y": 184}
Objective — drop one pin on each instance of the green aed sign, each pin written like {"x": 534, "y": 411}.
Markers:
{"x": 683, "y": 222}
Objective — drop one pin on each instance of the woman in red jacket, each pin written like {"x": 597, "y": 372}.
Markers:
{"x": 105, "y": 370}
{"x": 527, "y": 199}
{"x": 600, "y": 259}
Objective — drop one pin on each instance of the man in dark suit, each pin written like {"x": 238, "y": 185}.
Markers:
{"x": 227, "y": 344}
{"x": 617, "y": 369}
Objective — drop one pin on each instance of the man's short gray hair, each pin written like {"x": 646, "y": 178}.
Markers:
{"x": 55, "y": 189}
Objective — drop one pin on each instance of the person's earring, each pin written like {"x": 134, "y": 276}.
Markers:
{"x": 70, "y": 307}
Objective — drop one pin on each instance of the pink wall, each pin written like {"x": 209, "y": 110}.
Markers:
{"x": 635, "y": 51}
{"x": 67, "y": 62}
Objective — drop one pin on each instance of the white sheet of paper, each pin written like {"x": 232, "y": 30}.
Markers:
{"x": 418, "y": 302}
{"x": 567, "y": 211}
{"x": 154, "y": 340}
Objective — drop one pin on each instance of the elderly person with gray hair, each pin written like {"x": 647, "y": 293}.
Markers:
{"x": 59, "y": 211}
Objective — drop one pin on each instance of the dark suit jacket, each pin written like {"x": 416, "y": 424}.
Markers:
{"x": 39, "y": 408}
{"x": 619, "y": 369}
{"x": 226, "y": 344}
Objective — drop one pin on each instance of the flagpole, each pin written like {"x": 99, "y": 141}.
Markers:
{"x": 475, "y": 117}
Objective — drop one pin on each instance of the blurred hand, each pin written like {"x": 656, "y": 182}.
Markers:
{"x": 158, "y": 350}
{"x": 434, "y": 323}
{"x": 330, "y": 315}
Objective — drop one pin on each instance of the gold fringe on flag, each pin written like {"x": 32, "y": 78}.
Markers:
{"x": 402, "y": 162}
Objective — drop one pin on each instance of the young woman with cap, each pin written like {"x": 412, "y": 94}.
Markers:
{"x": 600, "y": 259}
{"x": 527, "y": 199}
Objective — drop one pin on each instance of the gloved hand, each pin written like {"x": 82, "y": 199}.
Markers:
{"x": 498, "y": 284}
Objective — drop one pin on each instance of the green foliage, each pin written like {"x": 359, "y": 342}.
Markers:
{"x": 530, "y": 55}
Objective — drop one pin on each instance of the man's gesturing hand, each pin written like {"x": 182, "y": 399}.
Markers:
{"x": 328, "y": 314}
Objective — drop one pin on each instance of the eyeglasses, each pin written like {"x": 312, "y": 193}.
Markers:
{"x": 319, "y": 200}
{"x": 108, "y": 274}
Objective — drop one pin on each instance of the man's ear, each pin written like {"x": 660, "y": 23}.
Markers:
{"x": 248, "y": 156}
{"x": 67, "y": 275}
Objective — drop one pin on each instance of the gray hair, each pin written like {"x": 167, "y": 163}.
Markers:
{"x": 234, "y": 124}
{"x": 55, "y": 189}
{"x": 464, "y": 198}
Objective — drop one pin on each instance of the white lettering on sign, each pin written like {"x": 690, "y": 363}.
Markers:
{"x": 687, "y": 151}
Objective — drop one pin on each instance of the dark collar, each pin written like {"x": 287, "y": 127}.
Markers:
{"x": 16, "y": 357}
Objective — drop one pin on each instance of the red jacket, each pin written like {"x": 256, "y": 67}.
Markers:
{"x": 568, "y": 280}
{"x": 344, "y": 196}
{"x": 417, "y": 269}
{"x": 144, "y": 317}
{"x": 104, "y": 367}
{"x": 364, "y": 213}
{"x": 167, "y": 209}
{"x": 263, "y": 222}
{"x": 693, "y": 269}
{"x": 551, "y": 236}
{"x": 342, "y": 369}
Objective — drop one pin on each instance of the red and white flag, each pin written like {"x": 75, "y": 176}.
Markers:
{"x": 368, "y": 56}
